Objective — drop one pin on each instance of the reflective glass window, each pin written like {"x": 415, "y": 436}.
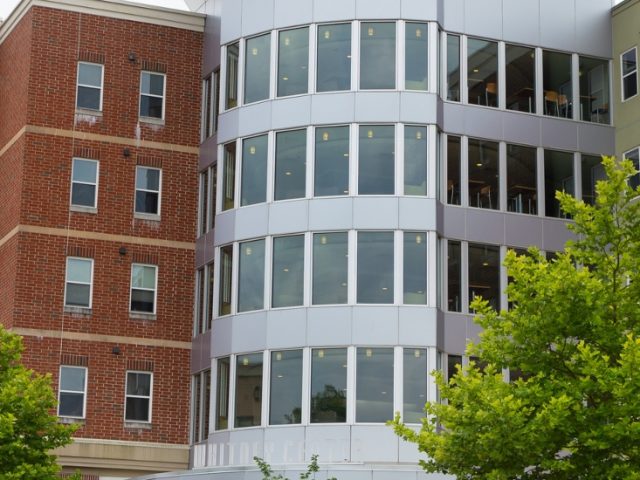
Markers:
{"x": 634, "y": 156}
{"x": 592, "y": 172}
{"x": 375, "y": 267}
{"x": 415, "y": 160}
{"x": 293, "y": 62}
{"x": 148, "y": 182}
{"x": 253, "y": 187}
{"x": 138, "y": 397}
{"x": 226, "y": 265}
{"x": 291, "y": 163}
{"x": 251, "y": 276}
{"x": 594, "y": 90}
{"x": 416, "y": 55}
{"x": 453, "y": 68}
{"x": 484, "y": 273}
{"x": 374, "y": 384}
{"x": 329, "y": 385}
{"x": 522, "y": 190}
{"x": 248, "y": 390}
{"x": 334, "y": 57}
{"x": 483, "y": 174}
{"x": 454, "y": 362}
{"x": 377, "y": 55}
{"x": 331, "y": 174}
{"x": 376, "y": 160}
{"x": 72, "y": 391}
{"x": 89, "y": 86}
{"x": 556, "y": 81}
{"x": 152, "y": 89}
{"x": 414, "y": 367}
{"x": 629, "y": 67}
{"x": 144, "y": 283}
{"x": 222, "y": 394}
{"x": 285, "y": 406}
{"x": 453, "y": 170}
{"x": 415, "y": 268}
{"x": 330, "y": 267}
{"x": 84, "y": 183}
{"x": 482, "y": 75}
{"x": 558, "y": 175}
{"x": 229, "y": 176}
{"x": 521, "y": 78}
{"x": 454, "y": 276}
{"x": 233, "y": 52}
{"x": 288, "y": 271}
{"x": 256, "y": 68}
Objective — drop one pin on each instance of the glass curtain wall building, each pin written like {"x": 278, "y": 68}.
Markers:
{"x": 371, "y": 164}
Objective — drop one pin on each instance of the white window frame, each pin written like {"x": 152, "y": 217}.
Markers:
{"x": 66, "y": 282}
{"x": 208, "y": 114}
{"x": 150, "y": 397}
{"x": 84, "y": 392}
{"x": 154, "y": 290}
{"x": 623, "y": 76}
{"x": 163, "y": 96}
{"x": 95, "y": 197}
{"x": 101, "y": 87}
{"x": 159, "y": 192}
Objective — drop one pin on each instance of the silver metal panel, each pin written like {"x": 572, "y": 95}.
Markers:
{"x": 483, "y": 122}
{"x": 458, "y": 330}
{"x": 485, "y": 226}
{"x": 289, "y": 216}
{"x": 555, "y": 234}
{"x": 483, "y": 18}
{"x": 375, "y": 325}
{"x": 201, "y": 352}
{"x": 374, "y": 444}
{"x": 417, "y": 326}
{"x": 593, "y": 27}
{"x": 454, "y": 223}
{"x": 596, "y": 139}
{"x": 377, "y": 107}
{"x": 329, "y": 326}
{"x": 252, "y": 221}
{"x": 225, "y": 228}
{"x": 291, "y": 112}
{"x": 454, "y": 13}
{"x": 249, "y": 332}
{"x": 331, "y": 10}
{"x": 221, "y": 333}
{"x": 247, "y": 443}
{"x": 332, "y": 443}
{"x": 418, "y": 107}
{"x": 560, "y": 134}
{"x": 408, "y": 452}
{"x": 257, "y": 16}
{"x": 293, "y": 12}
{"x": 228, "y": 126}
{"x": 332, "y": 108}
{"x": 231, "y": 25}
{"x": 254, "y": 119}
{"x": 284, "y": 445}
{"x": 286, "y": 328}
{"x": 521, "y": 21}
{"x": 375, "y": 212}
{"x": 523, "y": 230}
{"x": 330, "y": 214}
{"x": 208, "y": 152}
{"x": 377, "y": 9}
{"x": 419, "y": 10}
{"x": 557, "y": 24}
{"x": 417, "y": 213}
{"x": 519, "y": 128}
{"x": 453, "y": 118}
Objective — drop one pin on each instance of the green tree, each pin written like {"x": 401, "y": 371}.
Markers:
{"x": 573, "y": 334}
{"x": 27, "y": 430}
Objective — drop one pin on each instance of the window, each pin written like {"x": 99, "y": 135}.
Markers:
{"x": 288, "y": 271}
{"x": 256, "y": 68}
{"x": 453, "y": 68}
{"x": 254, "y": 171}
{"x": 482, "y": 75}
{"x": 330, "y": 268}
{"x": 594, "y": 90}
{"x": 454, "y": 153}
{"x": 84, "y": 183}
{"x": 415, "y": 268}
{"x": 210, "y": 102}
{"x": 144, "y": 285}
{"x": 291, "y": 165}
{"x": 226, "y": 265}
{"x": 213, "y": 194}
{"x": 204, "y": 203}
{"x": 629, "y": 66}
{"x": 152, "y": 94}
{"x": 592, "y": 172}
{"x": 331, "y": 175}
{"x": 375, "y": 267}
{"x": 334, "y": 57}
{"x": 634, "y": 156}
{"x": 79, "y": 280}
{"x": 89, "y": 88}
{"x": 72, "y": 393}
{"x": 229, "y": 176}
{"x": 522, "y": 190}
{"x": 454, "y": 363}
{"x": 285, "y": 406}
{"x": 201, "y": 394}
{"x": 415, "y": 160}
{"x": 558, "y": 175}
{"x": 376, "y": 160}
{"x": 484, "y": 273}
{"x": 414, "y": 367}
{"x": 454, "y": 276}
{"x": 248, "y": 390}
{"x": 293, "y": 62}
{"x": 204, "y": 299}
{"x": 416, "y": 55}
{"x": 201, "y": 290}
{"x": 374, "y": 384}
{"x": 483, "y": 174}
{"x": 231, "y": 99}
{"x": 329, "y": 385}
{"x": 520, "y": 78}
{"x": 222, "y": 394}
{"x": 251, "y": 276}
{"x": 148, "y": 183}
{"x": 556, "y": 81}
{"x": 138, "y": 397}
{"x": 377, "y": 55}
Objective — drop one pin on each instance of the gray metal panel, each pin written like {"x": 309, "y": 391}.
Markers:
{"x": 594, "y": 138}
{"x": 286, "y": 328}
{"x": 332, "y": 108}
{"x": 417, "y": 213}
{"x": 454, "y": 13}
{"x": 407, "y": 451}
{"x": 255, "y": 118}
{"x": 521, "y": 21}
{"x": 201, "y": 352}
{"x": 231, "y": 25}
{"x": 221, "y": 336}
{"x": 332, "y": 443}
{"x": 228, "y": 126}
{"x": 247, "y": 442}
{"x": 225, "y": 228}
{"x": 453, "y": 118}
{"x": 419, "y": 10}
{"x": 330, "y": 214}
{"x": 418, "y": 107}
{"x": 555, "y": 234}
{"x": 289, "y": 216}
{"x": 291, "y": 112}
{"x": 523, "y": 230}
{"x": 519, "y": 128}
{"x": 454, "y": 223}
{"x": 375, "y": 212}
{"x": 249, "y": 332}
{"x": 483, "y": 18}
{"x": 485, "y": 226}
{"x": 375, "y": 325}
{"x": 293, "y": 12}
{"x": 374, "y": 443}
{"x": 557, "y": 24}
{"x": 560, "y": 134}
{"x": 211, "y": 42}
{"x": 593, "y": 27}
{"x": 483, "y": 122}
{"x": 330, "y": 10}
{"x": 458, "y": 330}
{"x": 284, "y": 445}
{"x": 329, "y": 326}
{"x": 208, "y": 152}
{"x": 417, "y": 326}
{"x": 377, "y": 9}
{"x": 257, "y": 16}
{"x": 252, "y": 221}
{"x": 377, "y": 107}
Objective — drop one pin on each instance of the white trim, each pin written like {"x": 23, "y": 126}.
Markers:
{"x": 95, "y": 184}
{"x": 84, "y": 392}
{"x": 153, "y": 95}
{"x": 623, "y": 76}
{"x": 159, "y": 191}
{"x": 154, "y": 290}
{"x": 100, "y": 87}
{"x": 150, "y": 396}
{"x": 67, "y": 281}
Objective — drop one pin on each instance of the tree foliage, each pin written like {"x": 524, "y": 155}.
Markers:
{"x": 574, "y": 335}
{"x": 27, "y": 430}
{"x": 268, "y": 474}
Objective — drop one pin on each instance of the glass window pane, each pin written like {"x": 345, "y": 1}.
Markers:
{"x": 454, "y": 362}
{"x": 291, "y": 163}
{"x": 85, "y": 170}
{"x": 630, "y": 85}
{"x": 376, "y": 157}
{"x": 147, "y": 202}
{"x": 226, "y": 265}
{"x": 453, "y": 68}
{"x": 377, "y": 55}
{"x": 522, "y": 190}
{"x": 482, "y": 77}
{"x": 89, "y": 98}
{"x": 330, "y": 266}
{"x": 203, "y": 215}
{"x": 334, "y": 57}
{"x": 374, "y": 385}
{"x": 483, "y": 174}
{"x": 152, "y": 83}
{"x": 520, "y": 77}
{"x": 229, "y": 180}
{"x": 254, "y": 171}
{"x": 288, "y": 271}
{"x": 83, "y": 195}
{"x": 415, "y": 268}
{"x": 148, "y": 178}
{"x": 484, "y": 273}
{"x": 257, "y": 65}
{"x": 629, "y": 62}
{"x": 329, "y": 385}
{"x": 556, "y": 81}
{"x": 78, "y": 270}
{"x": 143, "y": 276}
{"x": 375, "y": 267}
{"x": 138, "y": 384}
{"x": 72, "y": 379}
{"x": 293, "y": 62}
{"x": 90, "y": 74}
{"x": 251, "y": 276}
{"x": 137, "y": 409}
{"x": 150, "y": 106}
{"x": 454, "y": 273}
{"x": 222, "y": 392}
{"x": 594, "y": 90}
{"x": 634, "y": 156}
{"x": 142, "y": 301}
{"x": 414, "y": 384}
{"x": 210, "y": 287}
{"x": 232, "y": 75}
{"x": 331, "y": 161}
{"x": 592, "y": 172}
{"x": 286, "y": 388}
{"x": 558, "y": 175}
{"x": 415, "y": 160}
{"x": 78, "y": 295}
{"x": 416, "y": 54}
{"x": 453, "y": 170}
{"x": 248, "y": 390}
{"x": 71, "y": 404}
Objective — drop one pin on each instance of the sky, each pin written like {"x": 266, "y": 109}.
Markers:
{"x": 6, "y": 6}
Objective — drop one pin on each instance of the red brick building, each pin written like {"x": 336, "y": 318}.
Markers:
{"x": 99, "y": 136}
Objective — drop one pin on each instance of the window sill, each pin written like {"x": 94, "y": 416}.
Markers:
{"x": 71, "y": 420}
{"x": 83, "y": 311}
{"x": 151, "y": 120}
{"x": 81, "y": 209}
{"x": 138, "y": 425}
{"x": 146, "y": 216}
{"x": 86, "y": 111}
{"x": 142, "y": 316}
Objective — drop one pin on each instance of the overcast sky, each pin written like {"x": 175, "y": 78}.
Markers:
{"x": 6, "y": 6}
